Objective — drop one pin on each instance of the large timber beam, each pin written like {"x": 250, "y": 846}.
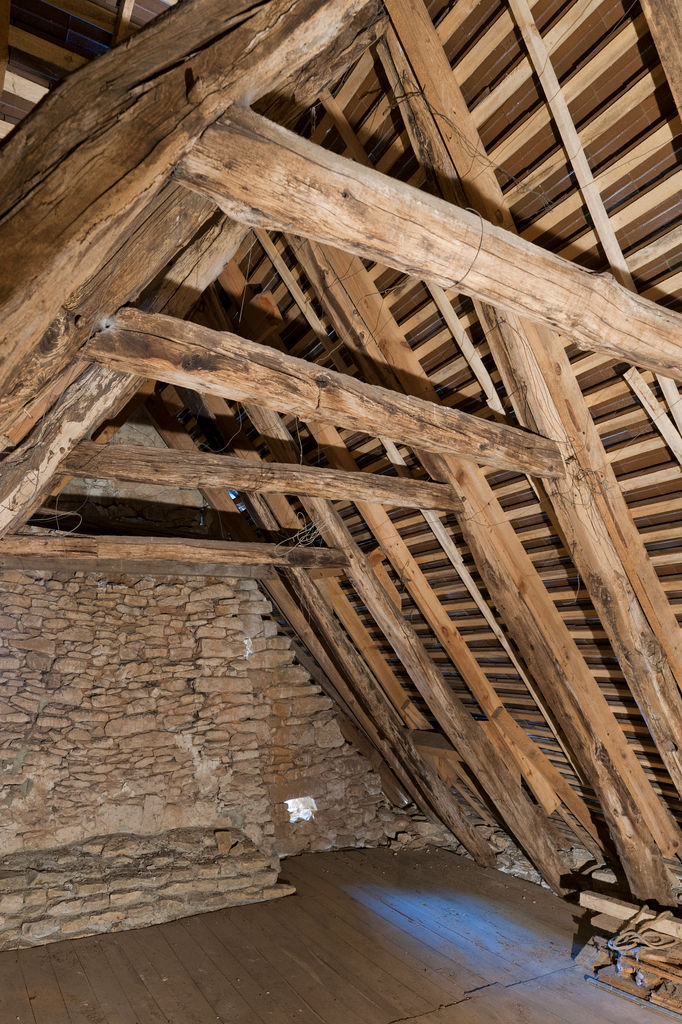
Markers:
{"x": 79, "y": 171}
{"x": 665, "y": 24}
{"x": 76, "y": 551}
{"x": 139, "y": 464}
{"x": 168, "y": 229}
{"x": 594, "y": 736}
{"x": 273, "y": 178}
{"x": 222, "y": 363}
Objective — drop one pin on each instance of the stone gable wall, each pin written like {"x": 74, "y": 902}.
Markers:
{"x": 137, "y": 707}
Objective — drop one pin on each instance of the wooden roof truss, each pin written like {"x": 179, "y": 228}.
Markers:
{"x": 369, "y": 265}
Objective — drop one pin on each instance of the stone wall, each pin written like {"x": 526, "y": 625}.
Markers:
{"x": 135, "y": 707}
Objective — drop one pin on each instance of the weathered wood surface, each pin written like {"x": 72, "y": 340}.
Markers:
{"x": 355, "y": 945}
{"x": 276, "y": 179}
{"x": 664, "y": 18}
{"x": 117, "y": 126}
{"x": 78, "y": 551}
{"x": 139, "y": 464}
{"x": 167, "y": 227}
{"x": 222, "y": 363}
{"x": 27, "y": 474}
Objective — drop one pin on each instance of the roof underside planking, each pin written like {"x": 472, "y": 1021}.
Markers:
{"x": 427, "y": 289}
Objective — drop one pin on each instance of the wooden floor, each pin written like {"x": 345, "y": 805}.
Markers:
{"x": 371, "y": 938}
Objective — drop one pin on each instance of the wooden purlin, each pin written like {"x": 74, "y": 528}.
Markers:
{"x": 222, "y": 363}
{"x": 250, "y": 322}
{"x": 77, "y": 550}
{"x": 601, "y": 535}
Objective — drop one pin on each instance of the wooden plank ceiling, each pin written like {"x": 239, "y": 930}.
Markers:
{"x": 432, "y": 260}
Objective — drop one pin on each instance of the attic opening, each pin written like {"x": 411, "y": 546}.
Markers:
{"x": 301, "y": 808}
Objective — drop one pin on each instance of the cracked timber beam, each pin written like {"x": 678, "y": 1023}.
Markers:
{"x": 97, "y": 394}
{"x": 140, "y": 464}
{"x": 101, "y": 553}
{"x": 275, "y": 179}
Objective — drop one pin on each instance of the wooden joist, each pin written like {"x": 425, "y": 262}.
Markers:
{"x": 222, "y": 363}
{"x": 276, "y": 179}
{"x": 135, "y": 463}
{"x": 76, "y": 551}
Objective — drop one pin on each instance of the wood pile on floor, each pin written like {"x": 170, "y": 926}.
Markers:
{"x": 643, "y": 956}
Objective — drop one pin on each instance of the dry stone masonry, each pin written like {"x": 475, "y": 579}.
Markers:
{"x": 141, "y": 719}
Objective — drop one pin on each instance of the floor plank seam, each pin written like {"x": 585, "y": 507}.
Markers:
{"x": 415, "y": 1018}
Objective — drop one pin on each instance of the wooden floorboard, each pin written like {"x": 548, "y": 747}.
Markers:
{"x": 372, "y": 937}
